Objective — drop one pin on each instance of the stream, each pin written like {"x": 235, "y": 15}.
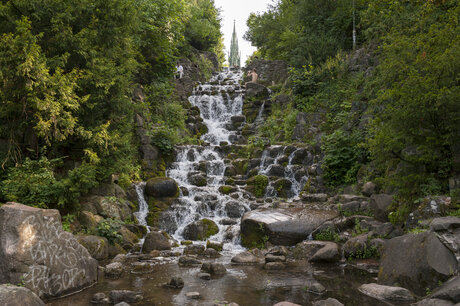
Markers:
{"x": 219, "y": 101}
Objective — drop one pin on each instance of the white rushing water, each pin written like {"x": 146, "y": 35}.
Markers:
{"x": 217, "y": 103}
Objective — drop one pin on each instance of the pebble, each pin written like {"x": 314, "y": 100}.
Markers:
{"x": 193, "y": 295}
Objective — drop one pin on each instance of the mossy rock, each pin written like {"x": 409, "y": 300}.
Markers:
{"x": 257, "y": 185}
{"x": 283, "y": 187}
{"x": 156, "y": 208}
{"x": 241, "y": 165}
{"x": 226, "y": 189}
{"x": 253, "y": 235}
{"x": 162, "y": 187}
{"x": 200, "y": 230}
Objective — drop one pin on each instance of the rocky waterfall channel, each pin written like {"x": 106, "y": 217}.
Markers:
{"x": 233, "y": 224}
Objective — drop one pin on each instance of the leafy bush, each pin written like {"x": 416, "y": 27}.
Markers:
{"x": 327, "y": 234}
{"x": 109, "y": 228}
{"x": 342, "y": 157}
{"x": 164, "y": 138}
{"x": 260, "y": 184}
{"x": 32, "y": 183}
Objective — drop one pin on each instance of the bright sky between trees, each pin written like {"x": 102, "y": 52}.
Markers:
{"x": 239, "y": 11}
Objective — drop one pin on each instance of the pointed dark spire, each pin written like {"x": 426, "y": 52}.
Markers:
{"x": 234, "y": 58}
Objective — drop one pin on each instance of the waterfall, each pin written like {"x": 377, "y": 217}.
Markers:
{"x": 199, "y": 170}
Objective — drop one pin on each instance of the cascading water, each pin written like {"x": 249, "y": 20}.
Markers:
{"x": 141, "y": 215}
{"x": 199, "y": 170}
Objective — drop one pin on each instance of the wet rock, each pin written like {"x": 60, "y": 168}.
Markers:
{"x": 128, "y": 296}
{"x": 445, "y": 224}
{"x": 315, "y": 287}
{"x": 355, "y": 246}
{"x": 35, "y": 250}
{"x": 122, "y": 304}
{"x": 194, "y": 249}
{"x": 309, "y": 249}
{"x": 205, "y": 276}
{"x": 97, "y": 246}
{"x": 155, "y": 241}
{"x": 216, "y": 245}
{"x": 314, "y": 197}
{"x": 200, "y": 230}
{"x": 188, "y": 261}
{"x": 121, "y": 258}
{"x": 283, "y": 187}
{"x": 278, "y": 250}
{"x": 274, "y": 266}
{"x": 11, "y": 295}
{"x": 141, "y": 267}
{"x": 176, "y": 283}
{"x": 211, "y": 253}
{"x": 193, "y": 295}
{"x": 369, "y": 189}
{"x": 198, "y": 180}
{"x": 217, "y": 269}
{"x": 430, "y": 207}
{"x": 89, "y": 220}
{"x": 162, "y": 187}
{"x": 129, "y": 239}
{"x": 450, "y": 290}
{"x": 256, "y": 90}
{"x": 114, "y": 270}
{"x": 276, "y": 170}
{"x": 328, "y": 253}
{"x": 417, "y": 262}
{"x": 234, "y": 209}
{"x": 286, "y": 304}
{"x": 328, "y": 302}
{"x": 228, "y": 221}
{"x": 227, "y": 189}
{"x": 274, "y": 258}
{"x": 281, "y": 226}
{"x": 379, "y": 205}
{"x": 245, "y": 258}
{"x": 100, "y": 298}
{"x": 225, "y": 303}
{"x": 382, "y": 292}
{"x": 433, "y": 302}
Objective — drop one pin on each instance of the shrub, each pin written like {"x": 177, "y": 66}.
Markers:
{"x": 109, "y": 229}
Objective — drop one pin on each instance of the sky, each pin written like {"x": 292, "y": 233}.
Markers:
{"x": 239, "y": 11}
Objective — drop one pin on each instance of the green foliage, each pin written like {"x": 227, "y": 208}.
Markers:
{"x": 260, "y": 184}
{"x": 368, "y": 252}
{"x": 109, "y": 228}
{"x": 32, "y": 183}
{"x": 327, "y": 234}
{"x": 342, "y": 155}
{"x": 67, "y": 220}
{"x": 202, "y": 31}
{"x": 279, "y": 125}
{"x": 303, "y": 32}
{"x": 358, "y": 230}
{"x": 164, "y": 138}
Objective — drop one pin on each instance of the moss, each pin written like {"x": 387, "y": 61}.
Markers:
{"x": 226, "y": 189}
{"x": 156, "y": 207}
{"x": 257, "y": 185}
{"x": 253, "y": 236}
{"x": 210, "y": 229}
{"x": 216, "y": 246}
{"x": 186, "y": 242}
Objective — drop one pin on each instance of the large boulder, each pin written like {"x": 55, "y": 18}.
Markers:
{"x": 162, "y": 187}
{"x": 450, "y": 290}
{"x": 382, "y": 292}
{"x": 97, "y": 246}
{"x": 155, "y": 241}
{"x": 380, "y": 203}
{"x": 14, "y": 296}
{"x": 317, "y": 251}
{"x": 35, "y": 250}
{"x": 281, "y": 226}
{"x": 416, "y": 262}
{"x": 256, "y": 90}
{"x": 200, "y": 230}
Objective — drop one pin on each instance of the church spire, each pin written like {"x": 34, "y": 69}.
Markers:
{"x": 234, "y": 58}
